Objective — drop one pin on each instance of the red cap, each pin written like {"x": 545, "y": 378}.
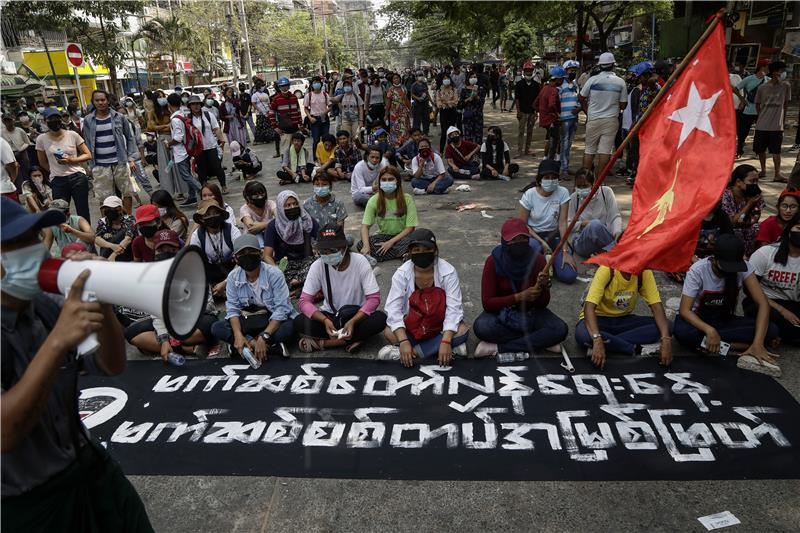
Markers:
{"x": 789, "y": 192}
{"x": 527, "y": 66}
{"x": 146, "y": 213}
{"x": 68, "y": 249}
{"x": 166, "y": 236}
{"x": 512, "y": 228}
{"x": 763, "y": 63}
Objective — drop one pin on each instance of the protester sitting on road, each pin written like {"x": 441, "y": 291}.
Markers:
{"x": 707, "y": 311}
{"x": 777, "y": 267}
{"x": 714, "y": 224}
{"x": 771, "y": 229}
{"x": 75, "y": 229}
{"x": 115, "y": 230}
{"x": 349, "y": 313}
{"x": 515, "y": 293}
{"x": 171, "y": 217}
{"x": 428, "y": 175}
{"x": 743, "y": 203}
{"x": 215, "y": 235}
{"x": 496, "y": 157}
{"x": 147, "y": 224}
{"x": 258, "y": 311}
{"x": 460, "y": 155}
{"x": 289, "y": 236}
{"x": 600, "y": 225}
{"x": 544, "y": 210}
{"x": 211, "y": 191}
{"x": 395, "y": 214}
{"x": 364, "y": 178}
{"x": 608, "y": 323}
{"x": 257, "y": 212}
{"x": 410, "y": 148}
{"x": 346, "y": 156}
{"x": 296, "y": 165}
{"x": 245, "y": 161}
{"x": 323, "y": 206}
{"x": 425, "y": 315}
{"x": 36, "y": 191}
{"x": 150, "y": 335}
{"x": 326, "y": 148}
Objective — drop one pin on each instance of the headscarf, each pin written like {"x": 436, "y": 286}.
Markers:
{"x": 516, "y": 270}
{"x": 291, "y": 231}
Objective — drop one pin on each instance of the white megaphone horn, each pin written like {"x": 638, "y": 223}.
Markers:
{"x": 175, "y": 290}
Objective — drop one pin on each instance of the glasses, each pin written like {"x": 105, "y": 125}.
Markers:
{"x": 789, "y": 207}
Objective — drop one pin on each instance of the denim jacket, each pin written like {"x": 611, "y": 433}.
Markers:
{"x": 273, "y": 292}
{"x": 123, "y": 136}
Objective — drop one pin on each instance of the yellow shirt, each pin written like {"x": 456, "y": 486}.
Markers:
{"x": 323, "y": 156}
{"x": 618, "y": 296}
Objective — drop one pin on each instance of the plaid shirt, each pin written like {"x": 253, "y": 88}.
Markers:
{"x": 347, "y": 162}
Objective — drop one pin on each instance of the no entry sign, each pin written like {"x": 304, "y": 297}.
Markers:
{"x": 75, "y": 54}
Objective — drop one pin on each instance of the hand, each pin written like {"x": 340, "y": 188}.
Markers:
{"x": 666, "y": 351}
{"x": 165, "y": 349}
{"x": 132, "y": 165}
{"x": 311, "y": 119}
{"x": 279, "y": 131}
{"x": 445, "y": 354}
{"x": 77, "y": 319}
{"x": 261, "y": 349}
{"x": 494, "y": 173}
{"x": 219, "y": 288}
{"x": 430, "y": 188}
{"x": 348, "y": 329}
{"x": 330, "y": 329}
{"x": 790, "y": 317}
{"x": 546, "y": 250}
{"x": 66, "y": 160}
{"x": 407, "y": 354}
{"x": 568, "y": 259}
{"x": 712, "y": 340}
{"x": 66, "y": 228}
{"x": 239, "y": 342}
{"x": 760, "y": 353}
{"x": 384, "y": 247}
{"x": 598, "y": 353}
{"x": 754, "y": 200}
{"x": 116, "y": 248}
{"x": 530, "y": 294}
{"x": 365, "y": 249}
{"x": 113, "y": 257}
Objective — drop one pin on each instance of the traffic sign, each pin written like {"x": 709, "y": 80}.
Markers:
{"x": 75, "y": 54}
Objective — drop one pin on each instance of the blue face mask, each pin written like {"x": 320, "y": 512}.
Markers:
{"x": 388, "y": 186}
{"x": 161, "y": 101}
{"x": 347, "y": 89}
{"x": 317, "y": 86}
{"x": 332, "y": 259}
{"x": 549, "y": 185}
{"x": 22, "y": 271}
{"x": 322, "y": 192}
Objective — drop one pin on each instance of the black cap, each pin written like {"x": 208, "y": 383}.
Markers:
{"x": 548, "y": 166}
{"x": 422, "y": 237}
{"x": 729, "y": 253}
{"x": 331, "y": 236}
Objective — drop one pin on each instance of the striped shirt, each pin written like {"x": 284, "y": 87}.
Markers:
{"x": 568, "y": 93}
{"x": 605, "y": 92}
{"x": 105, "y": 150}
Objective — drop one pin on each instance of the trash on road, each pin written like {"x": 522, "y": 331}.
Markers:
{"x": 719, "y": 520}
{"x": 464, "y": 188}
{"x": 484, "y": 215}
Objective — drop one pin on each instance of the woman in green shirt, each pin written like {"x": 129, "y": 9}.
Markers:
{"x": 396, "y": 215}
{"x": 75, "y": 229}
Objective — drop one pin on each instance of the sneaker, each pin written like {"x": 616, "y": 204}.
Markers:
{"x": 485, "y": 349}
{"x": 460, "y": 350}
{"x": 748, "y": 362}
{"x": 372, "y": 261}
{"x": 503, "y": 178}
{"x": 420, "y": 191}
{"x": 189, "y": 203}
{"x": 389, "y": 353}
{"x": 650, "y": 349}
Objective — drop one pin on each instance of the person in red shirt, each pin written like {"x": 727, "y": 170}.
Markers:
{"x": 284, "y": 113}
{"x": 460, "y": 156}
{"x": 548, "y": 105}
{"x": 147, "y": 222}
{"x": 515, "y": 293}
{"x": 770, "y": 230}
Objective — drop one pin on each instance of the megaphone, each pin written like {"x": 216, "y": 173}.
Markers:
{"x": 175, "y": 290}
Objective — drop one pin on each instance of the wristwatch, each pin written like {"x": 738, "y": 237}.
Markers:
{"x": 266, "y": 336}
{"x": 597, "y": 336}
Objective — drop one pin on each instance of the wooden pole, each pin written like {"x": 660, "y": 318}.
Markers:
{"x": 618, "y": 153}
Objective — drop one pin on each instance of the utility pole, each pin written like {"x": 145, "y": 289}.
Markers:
{"x": 359, "y": 57}
{"x": 234, "y": 48}
{"x": 314, "y": 27}
{"x": 247, "y": 58}
{"x": 325, "y": 33}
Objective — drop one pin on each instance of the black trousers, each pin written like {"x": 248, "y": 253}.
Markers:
{"x": 209, "y": 164}
{"x": 447, "y": 118}
{"x": 369, "y": 327}
{"x": 743, "y": 125}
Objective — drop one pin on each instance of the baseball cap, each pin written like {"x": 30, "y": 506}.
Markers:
{"x": 331, "y": 236}
{"x": 763, "y": 63}
{"x": 166, "y": 236}
{"x": 527, "y": 66}
{"x": 729, "y": 252}
{"x": 61, "y": 205}
{"x": 195, "y": 99}
{"x": 112, "y": 201}
{"x": 15, "y": 220}
{"x": 513, "y": 227}
{"x": 452, "y": 129}
{"x": 422, "y": 237}
{"x": 51, "y": 111}
{"x": 71, "y": 248}
{"x": 606, "y": 58}
{"x": 236, "y": 149}
{"x": 244, "y": 242}
{"x": 282, "y": 81}
{"x": 146, "y": 213}
{"x": 548, "y": 166}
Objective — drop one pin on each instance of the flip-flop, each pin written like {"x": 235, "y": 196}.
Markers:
{"x": 353, "y": 347}
{"x": 748, "y": 362}
{"x": 307, "y": 345}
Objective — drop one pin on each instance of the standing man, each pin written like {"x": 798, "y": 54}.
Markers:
{"x": 525, "y": 92}
{"x": 420, "y": 98}
{"x": 208, "y": 163}
{"x": 110, "y": 140}
{"x": 548, "y": 106}
{"x": 180, "y": 156}
{"x": 746, "y": 113}
{"x": 603, "y": 97}
{"x": 568, "y": 96}
{"x": 19, "y": 141}
{"x": 55, "y": 478}
{"x": 284, "y": 113}
{"x": 772, "y": 100}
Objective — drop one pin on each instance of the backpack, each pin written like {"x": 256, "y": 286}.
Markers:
{"x": 750, "y": 96}
{"x": 426, "y": 310}
{"x": 193, "y": 138}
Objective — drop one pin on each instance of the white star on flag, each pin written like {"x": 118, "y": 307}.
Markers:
{"x": 695, "y": 114}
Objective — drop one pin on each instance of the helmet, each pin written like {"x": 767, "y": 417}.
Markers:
{"x": 606, "y": 58}
{"x": 571, "y": 63}
{"x": 640, "y": 68}
{"x": 527, "y": 66}
{"x": 283, "y": 80}
{"x": 557, "y": 72}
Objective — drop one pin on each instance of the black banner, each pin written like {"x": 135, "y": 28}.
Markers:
{"x": 700, "y": 419}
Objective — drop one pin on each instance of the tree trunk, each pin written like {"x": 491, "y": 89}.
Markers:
{"x": 112, "y": 68}
{"x": 52, "y": 68}
{"x": 580, "y": 32}
{"x": 174, "y": 70}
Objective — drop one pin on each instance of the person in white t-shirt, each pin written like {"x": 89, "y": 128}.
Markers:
{"x": 349, "y": 313}
{"x": 180, "y": 157}
{"x": 709, "y": 300}
{"x": 777, "y": 267}
{"x": 600, "y": 224}
{"x": 364, "y": 179}
{"x": 8, "y": 170}
{"x": 209, "y": 162}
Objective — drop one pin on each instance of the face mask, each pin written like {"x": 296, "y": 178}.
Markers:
{"x": 163, "y": 256}
{"x": 371, "y": 166}
{"x": 334, "y": 259}
{"x": 752, "y": 190}
{"x": 348, "y": 89}
{"x": 420, "y": 78}
{"x": 491, "y": 138}
{"x": 445, "y": 82}
{"x": 162, "y": 211}
{"x": 112, "y": 215}
{"x": 388, "y": 186}
{"x": 396, "y": 84}
{"x": 293, "y": 213}
{"x": 40, "y": 109}
{"x": 161, "y": 101}
{"x": 128, "y": 104}
{"x": 322, "y": 192}
{"x": 549, "y": 185}
{"x": 55, "y": 125}
{"x": 148, "y": 231}
{"x": 213, "y": 222}
{"x": 455, "y": 139}
{"x": 316, "y": 85}
{"x": 259, "y": 202}
{"x": 783, "y": 75}
{"x": 473, "y": 81}
{"x": 582, "y": 193}
{"x": 423, "y": 259}
{"x": 571, "y": 76}
{"x": 79, "y": 113}
{"x": 518, "y": 250}
{"x": 249, "y": 262}
{"x": 528, "y": 76}
{"x": 22, "y": 271}
{"x": 425, "y": 153}
{"x": 794, "y": 238}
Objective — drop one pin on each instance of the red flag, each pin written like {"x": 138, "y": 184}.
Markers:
{"x": 686, "y": 154}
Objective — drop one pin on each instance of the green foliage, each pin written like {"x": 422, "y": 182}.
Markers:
{"x": 170, "y": 36}
{"x": 518, "y": 42}
{"x": 289, "y": 39}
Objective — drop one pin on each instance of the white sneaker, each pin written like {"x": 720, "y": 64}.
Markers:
{"x": 420, "y": 191}
{"x": 460, "y": 350}
{"x": 389, "y": 352}
{"x": 485, "y": 349}
{"x": 650, "y": 349}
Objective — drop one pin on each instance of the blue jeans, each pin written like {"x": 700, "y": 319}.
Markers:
{"x": 568, "y": 129}
{"x": 622, "y": 334}
{"x": 222, "y": 330}
{"x": 544, "y": 329}
{"x": 563, "y": 272}
{"x": 73, "y": 187}
{"x": 592, "y": 239}
{"x": 430, "y": 347}
{"x": 440, "y": 188}
{"x": 739, "y": 329}
{"x": 185, "y": 172}
{"x": 474, "y": 168}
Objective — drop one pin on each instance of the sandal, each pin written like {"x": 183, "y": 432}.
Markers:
{"x": 308, "y": 345}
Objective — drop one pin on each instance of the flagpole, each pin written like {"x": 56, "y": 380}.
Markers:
{"x": 618, "y": 153}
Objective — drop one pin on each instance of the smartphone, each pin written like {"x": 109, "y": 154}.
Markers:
{"x": 723, "y": 346}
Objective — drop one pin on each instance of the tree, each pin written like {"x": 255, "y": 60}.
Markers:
{"x": 210, "y": 33}
{"x": 168, "y": 35}
{"x": 288, "y": 39}
{"x": 517, "y": 41}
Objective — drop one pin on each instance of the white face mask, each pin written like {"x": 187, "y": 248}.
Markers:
{"x": 473, "y": 81}
{"x": 549, "y": 185}
{"x": 22, "y": 271}
{"x": 582, "y": 193}
{"x": 528, "y": 76}
{"x": 783, "y": 75}
{"x": 446, "y": 82}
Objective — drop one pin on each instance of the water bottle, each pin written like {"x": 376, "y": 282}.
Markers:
{"x": 507, "y": 357}
{"x": 247, "y": 353}
{"x": 175, "y": 359}
{"x": 60, "y": 154}
{"x": 170, "y": 164}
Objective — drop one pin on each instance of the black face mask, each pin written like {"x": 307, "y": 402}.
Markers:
{"x": 148, "y": 231}
{"x": 55, "y": 125}
{"x": 293, "y": 213}
{"x": 571, "y": 76}
{"x": 249, "y": 262}
{"x": 214, "y": 222}
{"x": 455, "y": 139}
{"x": 423, "y": 259}
{"x": 794, "y": 238}
{"x": 752, "y": 190}
{"x": 518, "y": 250}
{"x": 259, "y": 202}
{"x": 163, "y": 256}
{"x": 112, "y": 215}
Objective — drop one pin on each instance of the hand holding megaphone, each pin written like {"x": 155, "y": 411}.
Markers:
{"x": 78, "y": 319}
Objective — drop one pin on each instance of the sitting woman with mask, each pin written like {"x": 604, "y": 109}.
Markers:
{"x": 396, "y": 215}
{"x": 515, "y": 293}
{"x": 349, "y": 313}
{"x": 425, "y": 316}
{"x": 115, "y": 231}
{"x": 743, "y": 203}
{"x": 215, "y": 235}
{"x": 496, "y": 157}
{"x": 287, "y": 239}
{"x": 600, "y": 224}
{"x": 258, "y": 211}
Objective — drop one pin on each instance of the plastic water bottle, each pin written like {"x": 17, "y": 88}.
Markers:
{"x": 247, "y": 353}
{"x": 170, "y": 165}
{"x": 507, "y": 357}
{"x": 175, "y": 359}
{"x": 59, "y": 154}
